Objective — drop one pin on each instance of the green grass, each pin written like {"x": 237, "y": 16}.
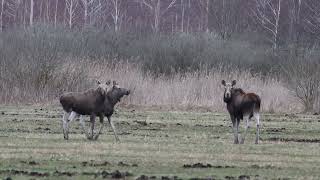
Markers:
{"x": 32, "y": 146}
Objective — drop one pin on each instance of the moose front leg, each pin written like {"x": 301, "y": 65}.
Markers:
{"x": 92, "y": 121}
{"x": 113, "y": 129}
{"x": 100, "y": 129}
{"x": 82, "y": 123}
{"x": 235, "y": 129}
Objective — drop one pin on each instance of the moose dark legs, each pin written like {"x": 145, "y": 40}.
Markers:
{"x": 92, "y": 121}
{"x": 246, "y": 119}
{"x": 65, "y": 124}
{"x": 83, "y": 125}
{"x": 257, "y": 117}
{"x": 235, "y": 128}
{"x": 113, "y": 128}
{"x": 101, "y": 127}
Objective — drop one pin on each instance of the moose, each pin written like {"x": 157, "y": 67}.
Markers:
{"x": 99, "y": 102}
{"x": 241, "y": 106}
{"x": 113, "y": 96}
{"x": 90, "y": 102}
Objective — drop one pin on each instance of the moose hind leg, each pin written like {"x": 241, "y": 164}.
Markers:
{"x": 246, "y": 126}
{"x": 257, "y": 117}
{"x": 65, "y": 125}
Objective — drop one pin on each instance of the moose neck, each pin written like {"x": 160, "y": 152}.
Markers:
{"x": 112, "y": 100}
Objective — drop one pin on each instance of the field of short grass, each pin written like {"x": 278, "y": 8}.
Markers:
{"x": 157, "y": 144}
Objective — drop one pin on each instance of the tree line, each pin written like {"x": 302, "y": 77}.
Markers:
{"x": 280, "y": 22}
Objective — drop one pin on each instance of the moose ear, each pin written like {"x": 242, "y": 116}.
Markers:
{"x": 234, "y": 82}
{"x": 115, "y": 83}
{"x": 98, "y": 82}
{"x": 223, "y": 82}
{"x": 108, "y": 82}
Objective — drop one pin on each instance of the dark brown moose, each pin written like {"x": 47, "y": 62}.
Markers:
{"x": 241, "y": 105}
{"x": 90, "y": 102}
{"x": 113, "y": 96}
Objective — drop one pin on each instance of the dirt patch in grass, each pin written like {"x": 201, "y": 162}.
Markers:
{"x": 144, "y": 177}
{"x": 66, "y": 173}
{"x": 104, "y": 174}
{"x": 255, "y": 166}
{"x": 201, "y": 165}
{"x": 95, "y": 164}
{"x": 142, "y": 123}
{"x": 25, "y": 173}
{"x": 293, "y": 140}
{"x": 32, "y": 163}
{"x": 123, "y": 164}
{"x": 275, "y": 130}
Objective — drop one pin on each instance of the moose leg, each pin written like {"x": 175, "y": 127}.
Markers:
{"x": 246, "y": 126}
{"x": 113, "y": 129}
{"x": 257, "y": 117}
{"x": 65, "y": 125}
{"x": 72, "y": 116}
{"x": 235, "y": 129}
{"x": 100, "y": 129}
{"x": 82, "y": 123}
{"x": 92, "y": 120}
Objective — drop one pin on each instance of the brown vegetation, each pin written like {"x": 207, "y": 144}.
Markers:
{"x": 188, "y": 90}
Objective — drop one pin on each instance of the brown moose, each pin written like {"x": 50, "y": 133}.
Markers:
{"x": 90, "y": 102}
{"x": 241, "y": 105}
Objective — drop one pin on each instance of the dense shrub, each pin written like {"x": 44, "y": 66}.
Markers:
{"x": 39, "y": 62}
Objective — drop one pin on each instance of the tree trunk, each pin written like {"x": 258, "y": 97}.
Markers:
{"x": 31, "y": 13}
{"x": 182, "y": 15}
{"x": 275, "y": 36}
{"x": 56, "y": 14}
{"x": 207, "y": 16}
{"x": 85, "y": 7}
{"x": 157, "y": 17}
{"x": 48, "y": 12}
{"x": 1, "y": 15}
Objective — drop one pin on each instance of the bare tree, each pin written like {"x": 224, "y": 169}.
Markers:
{"x": 117, "y": 14}
{"x": 295, "y": 20}
{"x": 205, "y": 4}
{"x": 86, "y": 7}
{"x": 157, "y": 11}
{"x": 56, "y": 13}
{"x": 71, "y": 6}
{"x": 31, "y": 12}
{"x": 1, "y": 15}
{"x": 48, "y": 11}
{"x": 267, "y": 15}
{"x": 303, "y": 77}
{"x": 11, "y": 9}
{"x": 183, "y": 9}
{"x": 312, "y": 21}
{"x": 91, "y": 9}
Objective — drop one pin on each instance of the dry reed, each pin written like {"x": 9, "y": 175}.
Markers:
{"x": 194, "y": 90}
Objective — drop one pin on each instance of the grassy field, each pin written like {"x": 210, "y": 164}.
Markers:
{"x": 161, "y": 145}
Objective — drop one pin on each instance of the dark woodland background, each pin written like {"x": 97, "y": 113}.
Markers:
{"x": 277, "y": 39}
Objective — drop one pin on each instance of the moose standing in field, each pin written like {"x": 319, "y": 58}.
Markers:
{"x": 241, "y": 105}
{"x": 90, "y": 102}
{"x": 113, "y": 96}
